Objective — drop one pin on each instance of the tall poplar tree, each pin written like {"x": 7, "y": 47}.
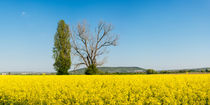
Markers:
{"x": 62, "y": 49}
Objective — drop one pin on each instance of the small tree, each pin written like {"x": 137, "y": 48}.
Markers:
{"x": 62, "y": 49}
{"x": 151, "y": 71}
{"x": 207, "y": 70}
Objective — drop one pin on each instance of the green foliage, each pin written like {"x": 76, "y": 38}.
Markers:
{"x": 62, "y": 49}
{"x": 151, "y": 71}
{"x": 207, "y": 70}
{"x": 93, "y": 70}
{"x": 164, "y": 72}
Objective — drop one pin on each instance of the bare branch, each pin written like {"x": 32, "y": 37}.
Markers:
{"x": 88, "y": 46}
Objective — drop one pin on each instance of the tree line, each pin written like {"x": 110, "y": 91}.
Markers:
{"x": 82, "y": 43}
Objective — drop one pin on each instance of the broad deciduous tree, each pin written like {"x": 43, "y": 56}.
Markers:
{"x": 88, "y": 46}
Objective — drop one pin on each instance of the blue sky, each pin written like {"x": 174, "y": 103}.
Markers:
{"x": 158, "y": 34}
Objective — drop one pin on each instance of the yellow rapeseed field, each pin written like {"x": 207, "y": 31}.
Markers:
{"x": 191, "y": 89}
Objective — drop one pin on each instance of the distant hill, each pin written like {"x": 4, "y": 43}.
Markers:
{"x": 112, "y": 70}
{"x": 117, "y": 70}
{"x": 191, "y": 70}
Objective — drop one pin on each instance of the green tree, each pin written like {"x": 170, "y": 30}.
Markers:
{"x": 151, "y": 71}
{"x": 207, "y": 70}
{"x": 62, "y": 49}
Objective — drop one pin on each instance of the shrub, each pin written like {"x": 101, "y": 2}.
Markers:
{"x": 93, "y": 70}
{"x": 151, "y": 71}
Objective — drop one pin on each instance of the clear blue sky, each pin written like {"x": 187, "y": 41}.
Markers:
{"x": 158, "y": 34}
